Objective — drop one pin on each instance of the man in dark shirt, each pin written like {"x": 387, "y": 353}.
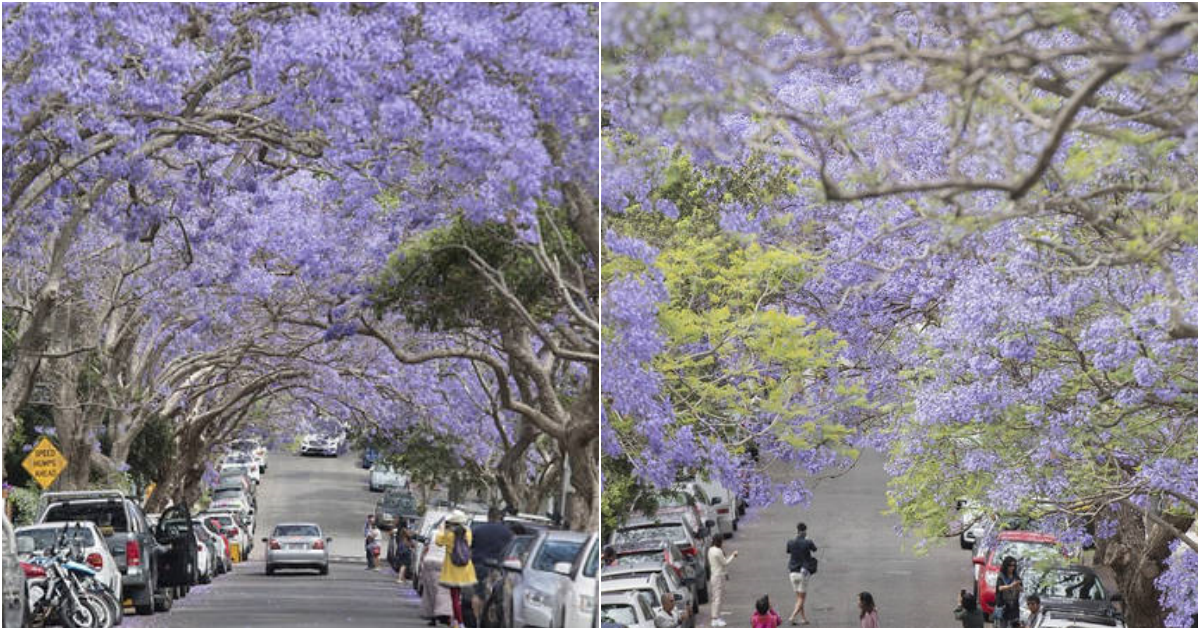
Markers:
{"x": 487, "y": 542}
{"x": 800, "y": 569}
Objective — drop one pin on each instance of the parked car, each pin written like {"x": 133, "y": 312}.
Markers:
{"x": 369, "y": 456}
{"x": 577, "y": 594}
{"x": 246, "y": 467}
{"x": 531, "y": 585}
{"x": 153, "y": 562}
{"x": 723, "y": 502}
{"x": 1026, "y": 547}
{"x": 318, "y": 444}
{"x": 720, "y": 523}
{"x": 253, "y": 467}
{"x": 237, "y": 478}
{"x": 1053, "y": 617}
{"x": 395, "y": 508}
{"x": 973, "y": 523}
{"x": 1073, "y": 588}
{"x": 674, "y": 584}
{"x": 210, "y": 552}
{"x": 15, "y": 605}
{"x": 676, "y": 528}
{"x": 625, "y": 610}
{"x": 297, "y": 546}
{"x": 497, "y": 608}
{"x": 36, "y": 539}
{"x": 668, "y": 554}
{"x": 649, "y": 588}
{"x": 234, "y": 527}
{"x": 384, "y": 477}
{"x": 254, "y": 448}
{"x": 220, "y": 543}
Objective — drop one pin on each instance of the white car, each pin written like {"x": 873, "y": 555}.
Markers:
{"x": 234, "y": 528}
{"x": 384, "y": 476}
{"x": 625, "y": 610}
{"x": 243, "y": 463}
{"x": 578, "y": 594}
{"x": 254, "y": 448}
{"x": 648, "y": 588}
{"x": 319, "y": 444}
{"x": 35, "y": 539}
{"x": 723, "y": 502}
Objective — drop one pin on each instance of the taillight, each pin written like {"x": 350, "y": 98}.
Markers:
{"x": 722, "y": 510}
{"x": 689, "y": 551}
{"x": 33, "y": 570}
{"x": 320, "y": 544}
{"x": 95, "y": 560}
{"x": 275, "y": 544}
{"x": 133, "y": 553}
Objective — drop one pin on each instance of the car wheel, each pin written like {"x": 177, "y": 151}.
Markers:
{"x": 143, "y": 601}
{"x": 735, "y": 523}
{"x": 962, "y": 542}
{"x": 163, "y": 601}
{"x": 270, "y": 570}
{"x": 325, "y": 570}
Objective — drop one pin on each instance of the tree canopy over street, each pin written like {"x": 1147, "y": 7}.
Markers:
{"x": 232, "y": 214}
{"x": 963, "y": 235}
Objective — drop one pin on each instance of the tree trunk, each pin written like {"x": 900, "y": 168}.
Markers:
{"x": 1135, "y": 556}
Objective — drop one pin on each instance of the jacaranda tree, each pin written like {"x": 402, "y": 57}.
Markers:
{"x": 1001, "y": 204}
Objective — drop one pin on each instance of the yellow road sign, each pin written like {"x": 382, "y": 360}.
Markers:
{"x": 44, "y": 463}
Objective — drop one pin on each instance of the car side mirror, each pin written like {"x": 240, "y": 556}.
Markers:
{"x": 329, "y": 539}
{"x": 511, "y": 564}
{"x": 678, "y": 597}
{"x": 715, "y": 501}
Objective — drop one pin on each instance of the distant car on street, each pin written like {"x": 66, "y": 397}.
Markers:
{"x": 220, "y": 541}
{"x": 384, "y": 477}
{"x": 674, "y": 585}
{"x": 297, "y": 546}
{"x": 320, "y": 444}
{"x": 395, "y": 508}
{"x": 369, "y": 456}
{"x": 650, "y": 588}
{"x": 665, "y": 552}
{"x": 254, "y": 448}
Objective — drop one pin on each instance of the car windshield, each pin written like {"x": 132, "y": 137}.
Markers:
{"x": 618, "y": 614}
{"x": 108, "y": 516}
{"x": 639, "y": 557}
{"x": 1069, "y": 585}
{"x": 554, "y": 551}
{"x": 1022, "y": 550}
{"x": 42, "y": 538}
{"x": 297, "y": 530}
{"x": 400, "y": 503}
{"x": 674, "y": 498}
{"x": 593, "y": 562}
{"x": 669, "y": 531}
{"x": 227, "y": 494}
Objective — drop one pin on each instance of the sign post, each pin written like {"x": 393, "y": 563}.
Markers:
{"x": 44, "y": 463}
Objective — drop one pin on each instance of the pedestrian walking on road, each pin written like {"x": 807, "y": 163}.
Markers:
{"x": 717, "y": 561}
{"x": 458, "y": 572}
{"x": 801, "y": 566}
{"x": 668, "y": 616}
{"x": 968, "y": 611}
{"x": 404, "y": 545}
{"x": 764, "y": 616}
{"x": 489, "y": 541}
{"x": 1008, "y": 595}
{"x": 868, "y": 617}
{"x": 370, "y": 537}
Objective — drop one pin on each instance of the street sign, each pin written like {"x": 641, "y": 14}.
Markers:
{"x": 44, "y": 463}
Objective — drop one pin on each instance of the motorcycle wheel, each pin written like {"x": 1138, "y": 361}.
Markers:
{"x": 86, "y": 615}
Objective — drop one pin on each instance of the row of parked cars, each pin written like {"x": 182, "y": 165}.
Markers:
{"x": 146, "y": 560}
{"x": 667, "y": 553}
{"x": 1071, "y": 594}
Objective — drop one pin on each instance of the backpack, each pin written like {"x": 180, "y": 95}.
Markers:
{"x": 460, "y": 554}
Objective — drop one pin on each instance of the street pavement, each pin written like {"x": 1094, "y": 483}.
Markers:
{"x": 858, "y": 550}
{"x": 333, "y": 493}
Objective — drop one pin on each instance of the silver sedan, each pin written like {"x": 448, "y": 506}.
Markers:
{"x": 297, "y": 546}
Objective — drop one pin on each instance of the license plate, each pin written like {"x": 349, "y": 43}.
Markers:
{"x": 297, "y": 546}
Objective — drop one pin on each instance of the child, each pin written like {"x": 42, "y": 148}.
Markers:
{"x": 868, "y": 617}
{"x": 764, "y": 616}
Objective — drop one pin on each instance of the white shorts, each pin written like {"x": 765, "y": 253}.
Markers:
{"x": 800, "y": 581}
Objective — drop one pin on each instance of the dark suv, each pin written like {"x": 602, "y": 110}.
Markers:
{"x": 153, "y": 561}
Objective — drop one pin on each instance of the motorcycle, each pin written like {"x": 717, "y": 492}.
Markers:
{"x": 65, "y": 590}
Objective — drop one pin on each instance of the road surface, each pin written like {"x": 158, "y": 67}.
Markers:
{"x": 329, "y": 491}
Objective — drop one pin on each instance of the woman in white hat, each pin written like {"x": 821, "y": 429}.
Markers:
{"x": 457, "y": 569}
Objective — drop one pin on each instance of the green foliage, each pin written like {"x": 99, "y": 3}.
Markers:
{"x": 431, "y": 279}
{"x": 152, "y": 453}
{"x": 434, "y": 460}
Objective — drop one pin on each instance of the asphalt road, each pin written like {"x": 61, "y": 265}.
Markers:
{"x": 333, "y": 493}
{"x": 858, "y": 551}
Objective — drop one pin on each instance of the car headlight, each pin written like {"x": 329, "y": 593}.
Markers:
{"x": 586, "y": 602}
{"x": 534, "y": 597}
